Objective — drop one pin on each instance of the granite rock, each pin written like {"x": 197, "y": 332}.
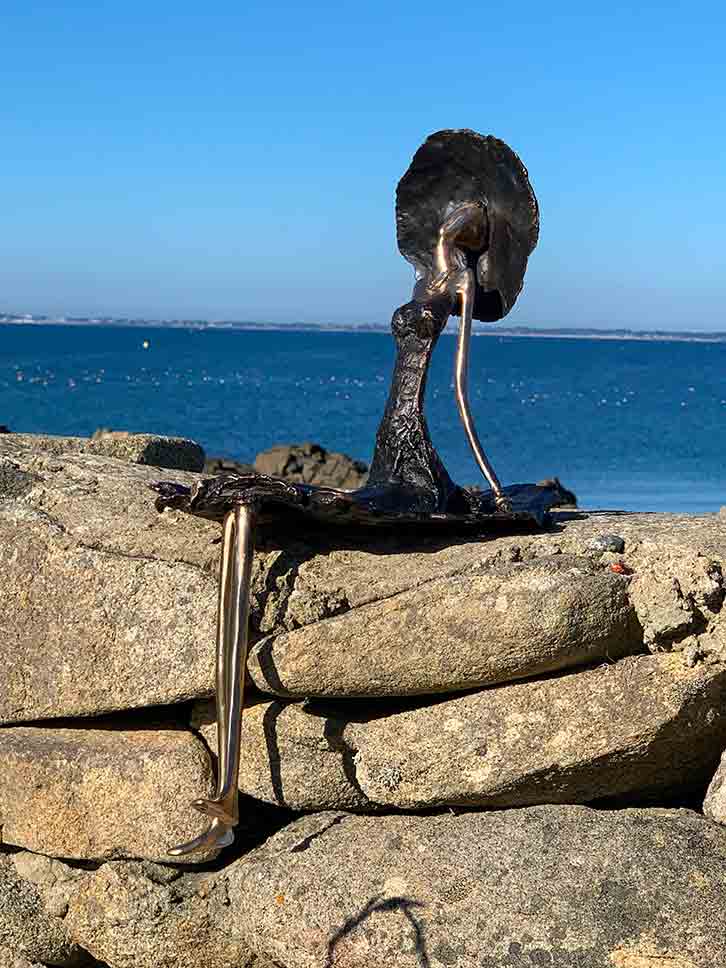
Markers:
{"x": 107, "y": 605}
{"x": 10, "y": 959}
{"x": 677, "y": 595}
{"x": 290, "y": 755}
{"x": 495, "y": 624}
{"x": 644, "y": 724}
{"x": 608, "y": 542}
{"x": 95, "y": 794}
{"x": 543, "y": 887}
{"x": 34, "y": 894}
{"x": 215, "y": 466}
{"x": 141, "y": 915}
{"x": 173, "y": 453}
{"x": 177, "y": 453}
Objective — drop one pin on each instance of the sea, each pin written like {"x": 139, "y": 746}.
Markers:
{"x": 626, "y": 424}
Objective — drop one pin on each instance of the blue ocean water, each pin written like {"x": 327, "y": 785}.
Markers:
{"x": 625, "y": 424}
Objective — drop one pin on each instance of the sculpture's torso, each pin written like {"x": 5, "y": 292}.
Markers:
{"x": 404, "y": 455}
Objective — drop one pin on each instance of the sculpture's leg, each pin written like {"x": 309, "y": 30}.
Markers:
{"x": 465, "y": 288}
{"x": 232, "y": 643}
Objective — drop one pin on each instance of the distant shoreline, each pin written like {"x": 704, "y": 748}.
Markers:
{"x": 521, "y": 332}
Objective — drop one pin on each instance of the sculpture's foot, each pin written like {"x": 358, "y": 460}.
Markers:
{"x": 219, "y": 835}
{"x": 219, "y": 809}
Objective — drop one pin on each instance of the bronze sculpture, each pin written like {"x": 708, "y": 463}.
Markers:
{"x": 467, "y": 220}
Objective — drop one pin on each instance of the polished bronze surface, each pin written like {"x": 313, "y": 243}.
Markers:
{"x": 232, "y": 644}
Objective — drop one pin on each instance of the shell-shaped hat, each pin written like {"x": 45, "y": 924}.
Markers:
{"x": 456, "y": 166}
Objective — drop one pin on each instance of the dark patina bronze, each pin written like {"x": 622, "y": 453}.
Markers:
{"x": 467, "y": 221}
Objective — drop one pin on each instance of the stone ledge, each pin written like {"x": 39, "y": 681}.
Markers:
{"x": 97, "y": 794}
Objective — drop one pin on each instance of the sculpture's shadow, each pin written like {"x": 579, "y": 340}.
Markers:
{"x": 377, "y": 905}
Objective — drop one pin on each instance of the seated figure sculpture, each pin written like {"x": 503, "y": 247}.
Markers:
{"x": 467, "y": 220}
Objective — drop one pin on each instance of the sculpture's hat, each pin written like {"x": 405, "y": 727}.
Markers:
{"x": 458, "y": 166}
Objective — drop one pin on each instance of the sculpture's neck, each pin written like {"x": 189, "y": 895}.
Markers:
{"x": 404, "y": 453}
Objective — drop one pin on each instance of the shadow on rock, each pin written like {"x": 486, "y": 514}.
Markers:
{"x": 379, "y": 905}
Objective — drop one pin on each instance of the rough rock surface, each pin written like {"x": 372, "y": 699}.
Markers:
{"x": 176, "y": 453}
{"x": 34, "y": 893}
{"x": 505, "y": 622}
{"x": 105, "y": 604}
{"x": 9, "y": 959}
{"x": 95, "y": 794}
{"x": 715, "y": 803}
{"x": 312, "y": 464}
{"x": 138, "y": 629}
{"x": 141, "y": 915}
{"x": 172, "y": 452}
{"x": 641, "y": 724}
{"x": 292, "y": 757}
{"x": 645, "y": 723}
{"x": 678, "y": 594}
{"x": 545, "y": 887}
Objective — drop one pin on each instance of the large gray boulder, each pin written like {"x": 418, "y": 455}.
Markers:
{"x": 34, "y": 893}
{"x": 140, "y": 915}
{"x": 645, "y": 723}
{"x": 544, "y": 887}
{"x": 95, "y": 794}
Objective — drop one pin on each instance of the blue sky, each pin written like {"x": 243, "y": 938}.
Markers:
{"x": 238, "y": 160}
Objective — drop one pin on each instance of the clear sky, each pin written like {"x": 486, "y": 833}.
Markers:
{"x": 239, "y": 160}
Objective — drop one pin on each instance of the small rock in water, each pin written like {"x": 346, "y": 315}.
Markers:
{"x": 226, "y": 465}
{"x": 607, "y": 542}
{"x": 567, "y": 498}
{"x": 310, "y": 463}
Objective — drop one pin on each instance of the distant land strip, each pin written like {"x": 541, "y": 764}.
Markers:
{"x": 480, "y": 329}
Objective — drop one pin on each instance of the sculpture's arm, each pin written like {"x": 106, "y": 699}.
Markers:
{"x": 465, "y": 290}
{"x": 466, "y": 225}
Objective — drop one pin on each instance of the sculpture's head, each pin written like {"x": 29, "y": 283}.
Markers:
{"x": 460, "y": 167}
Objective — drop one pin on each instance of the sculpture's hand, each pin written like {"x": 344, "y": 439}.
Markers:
{"x": 465, "y": 227}
{"x": 466, "y": 224}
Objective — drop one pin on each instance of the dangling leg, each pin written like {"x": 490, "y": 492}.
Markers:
{"x": 232, "y": 643}
{"x": 231, "y": 673}
{"x": 465, "y": 289}
{"x": 226, "y": 629}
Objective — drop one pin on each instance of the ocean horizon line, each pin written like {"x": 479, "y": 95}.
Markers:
{"x": 481, "y": 329}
